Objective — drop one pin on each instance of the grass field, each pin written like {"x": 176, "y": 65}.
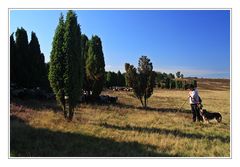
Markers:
{"x": 38, "y": 129}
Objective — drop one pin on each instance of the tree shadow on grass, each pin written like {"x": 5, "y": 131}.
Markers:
{"x": 153, "y": 109}
{"x": 38, "y": 105}
{"x": 26, "y": 141}
{"x": 175, "y": 132}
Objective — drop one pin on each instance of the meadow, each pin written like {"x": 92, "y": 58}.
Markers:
{"x": 124, "y": 129}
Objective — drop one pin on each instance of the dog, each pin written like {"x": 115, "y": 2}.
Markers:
{"x": 210, "y": 115}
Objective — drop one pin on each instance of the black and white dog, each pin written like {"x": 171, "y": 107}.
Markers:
{"x": 210, "y": 115}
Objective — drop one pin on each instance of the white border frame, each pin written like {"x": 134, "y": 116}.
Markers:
{"x": 9, "y": 10}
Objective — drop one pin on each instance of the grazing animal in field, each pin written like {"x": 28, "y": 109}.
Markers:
{"x": 210, "y": 115}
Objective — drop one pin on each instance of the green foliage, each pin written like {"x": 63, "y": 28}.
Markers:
{"x": 66, "y": 69}
{"x": 143, "y": 80}
{"x": 167, "y": 83}
{"x": 120, "y": 79}
{"x": 73, "y": 73}
{"x": 164, "y": 80}
{"x": 95, "y": 66}
{"x": 57, "y": 64}
{"x": 13, "y": 58}
{"x": 114, "y": 79}
{"x": 194, "y": 83}
{"x": 37, "y": 66}
{"x": 48, "y": 87}
{"x": 28, "y": 68}
{"x": 171, "y": 76}
{"x": 84, "y": 46}
{"x": 178, "y": 74}
{"x": 22, "y": 59}
{"x": 111, "y": 79}
{"x": 179, "y": 84}
{"x": 172, "y": 84}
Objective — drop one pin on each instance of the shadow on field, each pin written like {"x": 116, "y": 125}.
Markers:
{"x": 26, "y": 141}
{"x": 38, "y": 104}
{"x": 175, "y": 132}
{"x": 154, "y": 109}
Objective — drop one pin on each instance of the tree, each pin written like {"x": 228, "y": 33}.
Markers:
{"x": 194, "y": 83}
{"x": 108, "y": 79}
{"x": 26, "y": 61}
{"x": 181, "y": 76}
{"x": 179, "y": 84}
{"x": 178, "y": 74}
{"x": 66, "y": 70}
{"x": 132, "y": 80}
{"x": 143, "y": 80}
{"x": 73, "y": 73}
{"x": 167, "y": 83}
{"x": 171, "y": 76}
{"x": 48, "y": 87}
{"x": 120, "y": 79}
{"x": 184, "y": 84}
{"x": 13, "y": 60}
{"x": 22, "y": 58}
{"x": 95, "y": 66}
{"x": 114, "y": 79}
{"x": 37, "y": 66}
{"x": 57, "y": 65}
{"x": 127, "y": 75}
{"x": 84, "y": 46}
{"x": 172, "y": 84}
{"x": 111, "y": 79}
{"x": 43, "y": 81}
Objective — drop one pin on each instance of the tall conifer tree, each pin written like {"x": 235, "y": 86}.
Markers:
{"x": 57, "y": 65}
{"x": 84, "y": 46}
{"x": 12, "y": 59}
{"x": 95, "y": 66}
{"x": 22, "y": 59}
{"x": 36, "y": 70}
{"x": 73, "y": 69}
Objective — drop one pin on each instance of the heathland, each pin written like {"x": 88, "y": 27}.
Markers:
{"x": 124, "y": 129}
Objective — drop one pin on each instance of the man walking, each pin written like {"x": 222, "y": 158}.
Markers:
{"x": 194, "y": 100}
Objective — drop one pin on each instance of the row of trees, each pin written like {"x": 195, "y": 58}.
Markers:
{"x": 76, "y": 64}
{"x": 27, "y": 65}
{"x": 114, "y": 79}
{"x": 169, "y": 81}
{"x": 162, "y": 80}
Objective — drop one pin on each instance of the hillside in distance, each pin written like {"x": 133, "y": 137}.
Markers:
{"x": 214, "y": 84}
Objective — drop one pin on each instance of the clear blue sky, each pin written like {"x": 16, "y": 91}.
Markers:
{"x": 196, "y": 42}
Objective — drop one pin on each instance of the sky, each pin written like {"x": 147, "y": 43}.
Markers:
{"x": 195, "y": 42}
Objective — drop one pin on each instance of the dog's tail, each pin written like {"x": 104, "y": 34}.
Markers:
{"x": 219, "y": 118}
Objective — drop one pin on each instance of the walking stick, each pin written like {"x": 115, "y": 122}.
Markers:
{"x": 182, "y": 105}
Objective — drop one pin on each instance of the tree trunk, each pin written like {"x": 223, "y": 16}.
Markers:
{"x": 71, "y": 112}
{"x": 145, "y": 102}
{"x": 64, "y": 108}
{"x": 141, "y": 101}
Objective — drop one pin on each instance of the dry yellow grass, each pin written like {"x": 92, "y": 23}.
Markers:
{"x": 125, "y": 129}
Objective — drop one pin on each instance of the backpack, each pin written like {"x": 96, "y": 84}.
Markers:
{"x": 200, "y": 100}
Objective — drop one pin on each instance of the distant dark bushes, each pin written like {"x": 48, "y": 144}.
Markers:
{"x": 114, "y": 79}
{"x": 168, "y": 81}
